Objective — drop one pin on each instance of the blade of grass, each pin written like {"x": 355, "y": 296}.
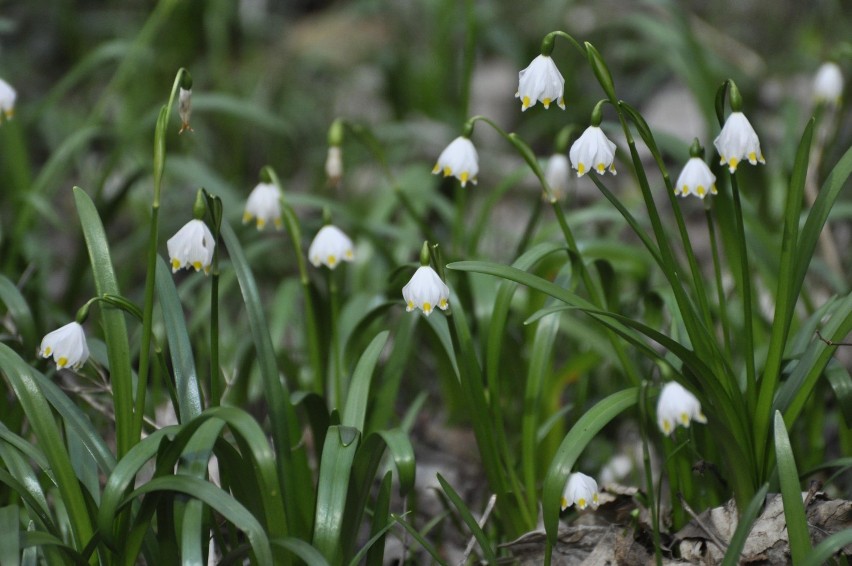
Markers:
{"x": 791, "y": 493}
{"x": 341, "y": 443}
{"x": 469, "y": 520}
{"x": 112, "y": 320}
{"x": 744, "y": 525}
{"x": 427, "y": 546}
{"x": 355, "y": 410}
{"x": 375, "y": 547}
{"x": 829, "y": 546}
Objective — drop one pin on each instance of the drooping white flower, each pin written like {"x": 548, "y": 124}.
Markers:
{"x": 541, "y": 80}
{"x": 7, "y": 100}
{"x": 460, "y": 160}
{"x": 828, "y": 84}
{"x": 264, "y": 204}
{"x": 334, "y": 164}
{"x": 330, "y": 247}
{"x": 677, "y": 406}
{"x": 695, "y": 178}
{"x": 67, "y": 345}
{"x": 556, "y": 173}
{"x": 425, "y": 291}
{"x": 738, "y": 141}
{"x": 192, "y": 246}
{"x": 593, "y": 150}
{"x": 185, "y": 109}
{"x": 581, "y": 490}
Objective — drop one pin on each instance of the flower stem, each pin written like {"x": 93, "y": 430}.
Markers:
{"x": 720, "y": 290}
{"x": 745, "y": 283}
{"x": 336, "y": 385}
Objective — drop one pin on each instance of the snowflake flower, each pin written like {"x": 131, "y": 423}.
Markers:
{"x": 541, "y": 80}
{"x": 329, "y": 247}
{"x": 192, "y": 246}
{"x": 593, "y": 150}
{"x": 581, "y": 490}
{"x": 677, "y": 406}
{"x": 67, "y": 345}
{"x": 696, "y": 179}
{"x": 425, "y": 291}
{"x": 264, "y": 204}
{"x": 828, "y": 84}
{"x": 460, "y": 160}
{"x": 556, "y": 173}
{"x": 7, "y": 100}
{"x": 738, "y": 141}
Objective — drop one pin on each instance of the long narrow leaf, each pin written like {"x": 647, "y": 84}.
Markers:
{"x": 20, "y": 312}
{"x": 791, "y": 493}
{"x": 114, "y": 328}
{"x": 744, "y": 525}
{"x": 427, "y": 546}
{"x": 341, "y": 443}
{"x": 469, "y": 520}
{"x": 355, "y": 410}
{"x": 10, "y": 544}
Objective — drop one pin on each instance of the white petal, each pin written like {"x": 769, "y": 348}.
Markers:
{"x": 67, "y": 345}
{"x": 460, "y": 160}
{"x": 192, "y": 246}
{"x": 426, "y": 291}
{"x": 330, "y": 247}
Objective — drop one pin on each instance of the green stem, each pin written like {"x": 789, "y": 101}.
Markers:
{"x": 460, "y": 219}
{"x": 644, "y": 415}
{"x": 469, "y": 53}
{"x": 745, "y": 282}
{"x": 215, "y": 392}
{"x": 720, "y": 290}
{"x": 336, "y": 384}
{"x": 291, "y": 223}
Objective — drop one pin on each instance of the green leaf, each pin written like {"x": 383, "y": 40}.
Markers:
{"x": 112, "y": 320}
{"x": 827, "y": 548}
{"x": 341, "y": 443}
{"x": 231, "y": 509}
{"x": 43, "y": 425}
{"x": 841, "y": 383}
{"x": 427, "y": 546}
{"x": 355, "y": 410}
{"x": 586, "y": 428}
{"x": 791, "y": 493}
{"x": 375, "y": 547}
{"x": 20, "y": 312}
{"x": 746, "y": 520}
{"x": 10, "y": 545}
{"x": 180, "y": 348}
{"x": 469, "y": 520}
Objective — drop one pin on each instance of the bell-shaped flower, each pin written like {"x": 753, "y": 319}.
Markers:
{"x": 330, "y": 247}
{"x": 593, "y": 150}
{"x": 334, "y": 165}
{"x": 185, "y": 109}
{"x": 738, "y": 141}
{"x": 695, "y": 179}
{"x": 67, "y": 345}
{"x": 541, "y": 81}
{"x": 556, "y": 173}
{"x": 460, "y": 160}
{"x": 264, "y": 205}
{"x": 192, "y": 246}
{"x": 677, "y": 406}
{"x": 828, "y": 84}
{"x": 7, "y": 100}
{"x": 425, "y": 291}
{"x": 581, "y": 490}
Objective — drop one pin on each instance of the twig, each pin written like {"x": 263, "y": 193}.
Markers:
{"x": 832, "y": 342}
{"x": 488, "y": 509}
{"x": 707, "y": 530}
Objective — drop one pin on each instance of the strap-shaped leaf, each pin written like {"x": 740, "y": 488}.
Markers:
{"x": 355, "y": 410}
{"x": 341, "y": 443}
{"x": 791, "y": 493}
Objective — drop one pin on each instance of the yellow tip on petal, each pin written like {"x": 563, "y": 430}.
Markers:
{"x": 546, "y": 103}
{"x": 427, "y": 308}
{"x": 713, "y": 190}
{"x": 581, "y": 503}
{"x": 436, "y": 169}
{"x": 409, "y": 306}
{"x": 175, "y": 264}
{"x": 732, "y": 164}
{"x": 331, "y": 260}
{"x": 667, "y": 426}
{"x": 261, "y": 223}
{"x": 700, "y": 191}
{"x": 525, "y": 103}
{"x": 246, "y": 217}
{"x": 561, "y": 103}
{"x": 62, "y": 362}
{"x": 447, "y": 171}
{"x": 581, "y": 169}
{"x": 464, "y": 177}
{"x": 564, "y": 503}
{"x": 601, "y": 168}
{"x": 278, "y": 223}
{"x": 752, "y": 158}
{"x": 196, "y": 265}
{"x": 443, "y": 304}
{"x": 47, "y": 352}
{"x": 349, "y": 254}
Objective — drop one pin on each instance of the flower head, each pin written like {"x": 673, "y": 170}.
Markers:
{"x": 738, "y": 141}
{"x": 828, "y": 84}
{"x": 425, "y": 291}
{"x": 593, "y": 150}
{"x": 556, "y": 175}
{"x": 460, "y": 160}
{"x": 185, "y": 109}
{"x": 541, "y": 80}
{"x": 582, "y": 490}
{"x": 67, "y": 345}
{"x": 696, "y": 178}
{"x": 334, "y": 165}
{"x": 7, "y": 100}
{"x": 677, "y": 406}
{"x": 329, "y": 247}
{"x": 192, "y": 246}
{"x": 264, "y": 204}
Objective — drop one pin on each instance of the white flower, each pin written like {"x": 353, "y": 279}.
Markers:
{"x": 593, "y": 150}
{"x": 192, "y": 246}
{"x": 541, "y": 80}
{"x": 67, "y": 345}
{"x": 828, "y": 84}
{"x": 582, "y": 490}
{"x": 264, "y": 204}
{"x": 185, "y": 109}
{"x": 696, "y": 178}
{"x": 460, "y": 160}
{"x": 334, "y": 164}
{"x": 677, "y": 406}
{"x": 556, "y": 174}
{"x": 7, "y": 100}
{"x": 329, "y": 247}
{"x": 425, "y": 291}
{"x": 738, "y": 141}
